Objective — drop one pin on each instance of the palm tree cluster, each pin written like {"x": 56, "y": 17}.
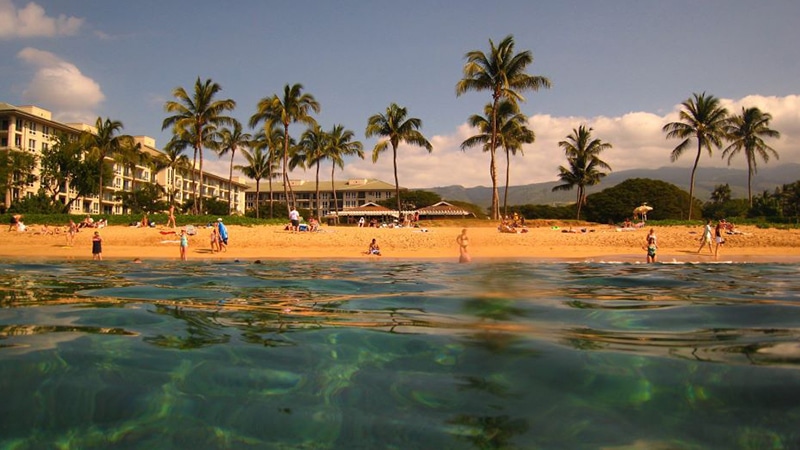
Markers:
{"x": 706, "y": 122}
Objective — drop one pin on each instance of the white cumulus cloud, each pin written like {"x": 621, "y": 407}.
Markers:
{"x": 61, "y": 87}
{"x": 637, "y": 140}
{"x": 32, "y": 21}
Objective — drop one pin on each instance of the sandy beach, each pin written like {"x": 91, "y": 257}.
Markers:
{"x": 676, "y": 243}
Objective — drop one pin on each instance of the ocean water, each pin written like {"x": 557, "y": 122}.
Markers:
{"x": 399, "y": 355}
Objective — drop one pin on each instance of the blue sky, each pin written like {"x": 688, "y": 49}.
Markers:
{"x": 621, "y": 67}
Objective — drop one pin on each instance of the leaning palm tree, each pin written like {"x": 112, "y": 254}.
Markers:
{"x": 230, "y": 140}
{"x": 703, "y": 119}
{"x": 396, "y": 128}
{"x": 502, "y": 72}
{"x": 341, "y": 144}
{"x": 294, "y": 106}
{"x": 198, "y": 116}
{"x": 257, "y": 168}
{"x": 583, "y": 157}
{"x": 105, "y": 142}
{"x": 746, "y": 133}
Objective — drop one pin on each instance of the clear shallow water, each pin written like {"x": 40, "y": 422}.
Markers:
{"x": 399, "y": 355}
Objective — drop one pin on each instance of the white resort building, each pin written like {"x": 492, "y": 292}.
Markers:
{"x": 31, "y": 129}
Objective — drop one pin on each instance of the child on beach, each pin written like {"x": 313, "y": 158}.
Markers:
{"x": 374, "y": 249}
{"x": 97, "y": 246}
{"x": 184, "y": 244}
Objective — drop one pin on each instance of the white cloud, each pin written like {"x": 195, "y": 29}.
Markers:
{"x": 61, "y": 87}
{"x": 637, "y": 140}
{"x": 32, "y": 21}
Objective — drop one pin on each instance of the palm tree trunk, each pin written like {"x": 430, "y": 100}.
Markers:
{"x": 258, "y": 196}
{"x": 578, "y": 203}
{"x": 333, "y": 188}
{"x": 200, "y": 186}
{"x": 691, "y": 180}
{"x": 319, "y": 205}
{"x": 396, "y": 181}
{"x": 508, "y": 175}
{"x": 230, "y": 183}
{"x": 194, "y": 181}
{"x": 286, "y": 185}
{"x": 492, "y": 168}
{"x": 271, "y": 212}
{"x": 749, "y": 184}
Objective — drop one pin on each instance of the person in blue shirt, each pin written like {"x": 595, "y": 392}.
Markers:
{"x": 223, "y": 235}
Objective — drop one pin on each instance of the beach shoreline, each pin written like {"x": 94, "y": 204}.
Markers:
{"x": 272, "y": 242}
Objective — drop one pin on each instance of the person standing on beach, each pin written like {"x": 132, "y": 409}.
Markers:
{"x": 294, "y": 217}
{"x": 223, "y": 236}
{"x": 72, "y": 228}
{"x": 706, "y": 238}
{"x": 171, "y": 217}
{"x": 97, "y": 246}
{"x": 184, "y": 244}
{"x": 652, "y": 246}
{"x": 463, "y": 243}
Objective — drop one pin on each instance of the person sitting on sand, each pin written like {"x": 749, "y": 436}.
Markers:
{"x": 87, "y": 222}
{"x": 14, "y": 221}
{"x": 313, "y": 224}
{"x": 374, "y": 249}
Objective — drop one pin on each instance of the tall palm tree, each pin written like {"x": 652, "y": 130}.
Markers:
{"x": 313, "y": 143}
{"x": 106, "y": 142}
{"x": 270, "y": 140}
{"x": 294, "y": 106}
{"x": 129, "y": 156}
{"x": 745, "y": 133}
{"x": 257, "y": 168}
{"x": 198, "y": 115}
{"x": 396, "y": 128}
{"x": 502, "y": 72}
{"x": 341, "y": 144}
{"x": 230, "y": 139}
{"x": 703, "y": 119}
{"x": 511, "y": 134}
{"x": 583, "y": 157}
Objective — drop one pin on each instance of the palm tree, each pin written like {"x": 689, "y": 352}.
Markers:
{"x": 341, "y": 144}
{"x": 746, "y": 133}
{"x": 293, "y": 107}
{"x": 174, "y": 159}
{"x": 230, "y": 139}
{"x": 702, "y": 119}
{"x": 583, "y": 156}
{"x": 257, "y": 168}
{"x": 130, "y": 156}
{"x": 394, "y": 126}
{"x": 106, "y": 142}
{"x": 270, "y": 140}
{"x": 503, "y": 73}
{"x": 313, "y": 143}
{"x": 198, "y": 116}
{"x": 512, "y": 132}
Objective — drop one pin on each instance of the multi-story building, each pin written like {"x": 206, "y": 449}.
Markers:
{"x": 31, "y": 129}
{"x": 350, "y": 194}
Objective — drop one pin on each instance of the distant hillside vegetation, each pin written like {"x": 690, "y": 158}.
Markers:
{"x": 768, "y": 178}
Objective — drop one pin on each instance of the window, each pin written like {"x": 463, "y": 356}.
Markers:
{"x": 32, "y": 126}
{"x": 45, "y": 146}
{"x": 45, "y": 130}
{"x": 18, "y": 141}
{"x": 31, "y": 145}
{"x": 18, "y": 124}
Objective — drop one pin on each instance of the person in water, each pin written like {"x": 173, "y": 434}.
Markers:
{"x": 463, "y": 244}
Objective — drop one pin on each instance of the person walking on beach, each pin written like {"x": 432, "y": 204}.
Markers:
{"x": 184, "y": 244}
{"x": 294, "y": 217}
{"x": 463, "y": 243}
{"x": 652, "y": 246}
{"x": 171, "y": 217}
{"x": 223, "y": 236}
{"x": 706, "y": 238}
{"x": 72, "y": 228}
{"x": 214, "y": 239}
{"x": 718, "y": 236}
{"x": 97, "y": 246}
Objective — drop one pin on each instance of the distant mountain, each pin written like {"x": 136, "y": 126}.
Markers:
{"x": 706, "y": 179}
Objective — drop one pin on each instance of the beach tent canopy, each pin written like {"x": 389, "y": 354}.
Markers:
{"x": 444, "y": 209}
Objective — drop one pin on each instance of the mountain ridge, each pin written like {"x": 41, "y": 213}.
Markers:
{"x": 706, "y": 179}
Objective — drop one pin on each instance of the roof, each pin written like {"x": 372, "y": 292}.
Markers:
{"x": 443, "y": 209}
{"x": 352, "y": 185}
{"x": 368, "y": 209}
